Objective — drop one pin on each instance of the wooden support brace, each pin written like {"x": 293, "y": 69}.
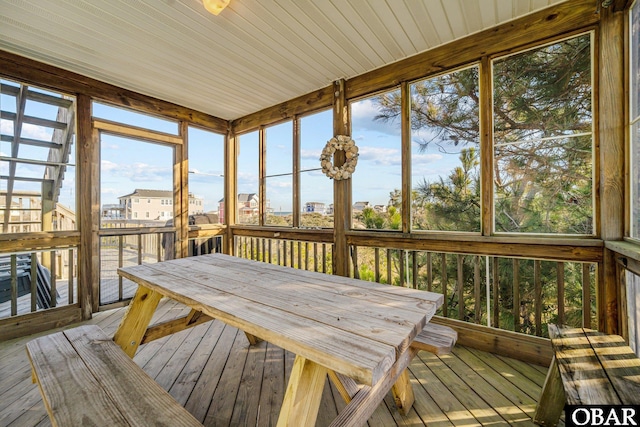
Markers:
{"x": 194, "y": 318}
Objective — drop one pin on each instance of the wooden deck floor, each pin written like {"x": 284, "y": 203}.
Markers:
{"x": 219, "y": 378}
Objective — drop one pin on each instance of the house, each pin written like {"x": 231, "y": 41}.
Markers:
{"x": 248, "y": 206}
{"x": 360, "y": 206}
{"x": 315, "y": 207}
{"x": 153, "y": 205}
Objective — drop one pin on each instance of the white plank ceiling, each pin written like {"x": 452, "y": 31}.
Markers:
{"x": 253, "y": 55}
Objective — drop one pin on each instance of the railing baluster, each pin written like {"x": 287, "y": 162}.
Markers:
{"x": 516, "y": 295}
{"x": 54, "y": 289}
{"x": 34, "y": 281}
{"x": 120, "y": 257}
{"x": 324, "y": 257}
{"x": 270, "y": 243}
{"x": 139, "y": 249}
{"x": 460, "y": 280}
{"x": 70, "y": 277}
{"x": 158, "y": 247}
{"x": 414, "y": 269}
{"x": 444, "y": 280}
{"x": 299, "y": 245}
{"x": 14, "y": 285}
{"x": 401, "y": 267}
{"x": 429, "y": 273}
{"x": 306, "y": 255}
{"x": 315, "y": 256}
{"x": 538, "y": 296}
{"x": 376, "y": 256}
{"x": 586, "y": 296}
{"x": 496, "y": 292}
{"x": 477, "y": 295}
{"x": 560, "y": 282}
{"x": 389, "y": 278}
{"x": 292, "y": 254}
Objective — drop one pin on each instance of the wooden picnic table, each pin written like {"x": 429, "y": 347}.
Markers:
{"x": 350, "y": 329}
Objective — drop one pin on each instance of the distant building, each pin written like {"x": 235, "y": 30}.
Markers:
{"x": 156, "y": 205}
{"x": 25, "y": 213}
{"x": 248, "y": 206}
{"x": 380, "y": 208}
{"x": 360, "y": 206}
{"x": 315, "y": 207}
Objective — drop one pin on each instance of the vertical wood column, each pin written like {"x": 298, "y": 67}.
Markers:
{"x": 486, "y": 148}
{"x": 88, "y": 186}
{"x": 610, "y": 158}
{"x": 341, "y": 188}
{"x": 405, "y": 123}
{"x": 230, "y": 186}
{"x": 296, "y": 172}
{"x": 181, "y": 192}
{"x": 262, "y": 180}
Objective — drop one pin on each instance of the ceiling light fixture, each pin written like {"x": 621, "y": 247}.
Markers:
{"x": 215, "y": 6}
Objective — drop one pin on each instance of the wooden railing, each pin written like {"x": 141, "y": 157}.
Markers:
{"x": 517, "y": 294}
{"x": 304, "y": 255}
{"x": 121, "y": 247}
{"x": 520, "y": 294}
{"x": 37, "y": 280}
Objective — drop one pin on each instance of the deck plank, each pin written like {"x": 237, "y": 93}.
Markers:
{"x": 221, "y": 380}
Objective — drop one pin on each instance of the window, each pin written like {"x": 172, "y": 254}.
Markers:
{"x": 248, "y": 182}
{"x": 543, "y": 139}
{"x": 206, "y": 170}
{"x": 134, "y": 118}
{"x": 316, "y": 190}
{"x": 634, "y": 128}
{"x": 445, "y": 152}
{"x": 377, "y": 181}
{"x": 279, "y": 174}
{"x": 37, "y": 166}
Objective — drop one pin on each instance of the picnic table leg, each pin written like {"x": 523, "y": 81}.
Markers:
{"x": 403, "y": 393}
{"x": 303, "y": 395}
{"x": 552, "y": 398}
{"x": 136, "y": 319}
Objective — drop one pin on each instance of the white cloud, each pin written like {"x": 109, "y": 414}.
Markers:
{"x": 137, "y": 172}
{"x": 363, "y": 115}
{"x": 380, "y": 156}
{"x": 310, "y": 154}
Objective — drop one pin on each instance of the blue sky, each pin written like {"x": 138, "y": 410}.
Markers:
{"x": 128, "y": 164}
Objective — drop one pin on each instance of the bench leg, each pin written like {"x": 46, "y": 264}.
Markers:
{"x": 304, "y": 392}
{"x": 552, "y": 398}
{"x": 403, "y": 393}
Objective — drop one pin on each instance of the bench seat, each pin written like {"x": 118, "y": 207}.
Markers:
{"x": 436, "y": 339}
{"x": 86, "y": 379}
{"x": 588, "y": 368}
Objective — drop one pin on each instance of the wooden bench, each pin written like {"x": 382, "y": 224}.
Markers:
{"x": 588, "y": 368}
{"x": 86, "y": 379}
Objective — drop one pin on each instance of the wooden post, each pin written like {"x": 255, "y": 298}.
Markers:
{"x": 88, "y": 151}
{"x": 405, "y": 123}
{"x": 610, "y": 125}
{"x": 181, "y": 193}
{"x": 486, "y": 147}
{"x": 47, "y": 209}
{"x": 230, "y": 198}
{"x": 341, "y": 188}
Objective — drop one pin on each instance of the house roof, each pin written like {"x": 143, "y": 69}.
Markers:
{"x": 149, "y": 193}
{"x": 255, "y": 54}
